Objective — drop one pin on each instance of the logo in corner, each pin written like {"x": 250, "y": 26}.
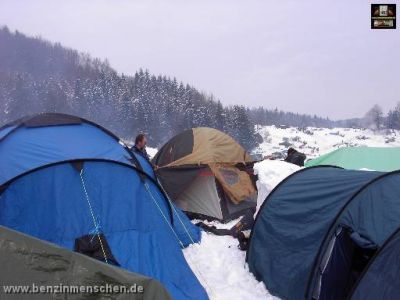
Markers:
{"x": 383, "y": 16}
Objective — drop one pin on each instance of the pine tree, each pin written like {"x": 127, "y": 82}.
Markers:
{"x": 220, "y": 116}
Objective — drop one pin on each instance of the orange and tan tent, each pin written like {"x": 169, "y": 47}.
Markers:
{"x": 207, "y": 173}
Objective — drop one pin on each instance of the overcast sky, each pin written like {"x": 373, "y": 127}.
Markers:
{"x": 317, "y": 57}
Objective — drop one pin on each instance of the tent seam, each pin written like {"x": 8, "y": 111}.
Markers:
{"x": 353, "y": 197}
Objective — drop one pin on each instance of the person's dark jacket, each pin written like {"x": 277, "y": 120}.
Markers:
{"x": 296, "y": 157}
{"x": 141, "y": 152}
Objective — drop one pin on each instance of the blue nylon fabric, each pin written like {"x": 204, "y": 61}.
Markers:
{"x": 178, "y": 215}
{"x": 28, "y": 148}
{"x": 291, "y": 226}
{"x": 50, "y": 204}
{"x": 147, "y": 168}
{"x": 381, "y": 280}
{"x": 6, "y": 130}
{"x": 187, "y": 232}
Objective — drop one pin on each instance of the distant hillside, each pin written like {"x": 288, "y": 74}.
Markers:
{"x": 263, "y": 116}
{"x": 38, "y": 76}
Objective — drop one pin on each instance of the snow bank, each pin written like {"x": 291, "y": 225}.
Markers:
{"x": 151, "y": 151}
{"x": 220, "y": 267}
{"x": 270, "y": 173}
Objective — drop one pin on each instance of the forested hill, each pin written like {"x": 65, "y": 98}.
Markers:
{"x": 38, "y": 76}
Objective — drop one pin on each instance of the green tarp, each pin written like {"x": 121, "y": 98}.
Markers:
{"x": 356, "y": 158}
{"x": 34, "y": 269}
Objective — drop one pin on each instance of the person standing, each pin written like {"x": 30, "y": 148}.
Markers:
{"x": 140, "y": 146}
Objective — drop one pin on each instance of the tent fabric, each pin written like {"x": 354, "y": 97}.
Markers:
{"x": 43, "y": 195}
{"x": 26, "y": 261}
{"x": 192, "y": 198}
{"x": 23, "y": 148}
{"x": 30, "y": 148}
{"x": 229, "y": 208}
{"x": 50, "y": 119}
{"x": 356, "y": 158}
{"x": 298, "y": 219}
{"x": 176, "y": 148}
{"x": 136, "y": 231}
{"x": 372, "y": 221}
{"x": 380, "y": 279}
{"x": 188, "y": 155}
{"x": 236, "y": 183}
{"x": 4, "y": 131}
{"x": 336, "y": 274}
{"x": 96, "y": 246}
{"x": 176, "y": 180}
{"x": 211, "y": 146}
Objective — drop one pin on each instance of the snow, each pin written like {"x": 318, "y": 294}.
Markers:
{"x": 318, "y": 141}
{"x": 220, "y": 266}
{"x": 151, "y": 151}
{"x": 270, "y": 173}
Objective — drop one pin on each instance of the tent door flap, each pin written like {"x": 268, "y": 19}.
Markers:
{"x": 344, "y": 260}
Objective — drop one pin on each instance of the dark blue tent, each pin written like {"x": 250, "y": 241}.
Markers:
{"x": 323, "y": 233}
{"x": 71, "y": 182}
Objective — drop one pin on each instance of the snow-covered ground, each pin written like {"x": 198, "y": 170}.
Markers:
{"x": 220, "y": 266}
{"x": 318, "y": 141}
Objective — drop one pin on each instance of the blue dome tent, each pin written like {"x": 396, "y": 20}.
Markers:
{"x": 329, "y": 233}
{"x": 68, "y": 181}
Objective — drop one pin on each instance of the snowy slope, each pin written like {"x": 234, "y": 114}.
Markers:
{"x": 318, "y": 141}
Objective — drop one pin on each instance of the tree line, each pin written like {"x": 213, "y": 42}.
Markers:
{"x": 264, "y": 116}
{"x": 376, "y": 119}
{"x": 39, "y": 76}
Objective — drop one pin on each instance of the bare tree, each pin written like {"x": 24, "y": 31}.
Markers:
{"x": 374, "y": 117}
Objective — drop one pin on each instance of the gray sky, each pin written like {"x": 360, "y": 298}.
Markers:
{"x": 308, "y": 56}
